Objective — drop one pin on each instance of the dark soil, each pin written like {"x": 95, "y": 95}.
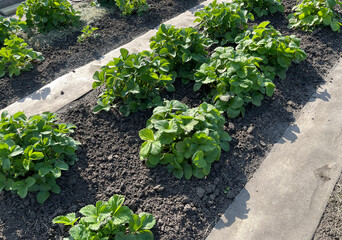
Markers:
{"x": 109, "y": 158}
{"x": 330, "y": 226}
{"x": 67, "y": 54}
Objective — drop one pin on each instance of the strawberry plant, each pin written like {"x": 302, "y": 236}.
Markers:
{"x": 33, "y": 153}
{"x": 16, "y": 56}
{"x": 261, "y": 7}
{"x": 310, "y": 14}
{"x": 277, "y": 51}
{"x": 235, "y": 80}
{"x": 187, "y": 140}
{"x": 8, "y": 27}
{"x": 108, "y": 220}
{"x": 47, "y": 15}
{"x": 223, "y": 22}
{"x": 127, "y": 7}
{"x": 133, "y": 81}
{"x": 184, "y": 48}
{"x": 86, "y": 33}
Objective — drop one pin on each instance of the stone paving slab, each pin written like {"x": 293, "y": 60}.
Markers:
{"x": 75, "y": 84}
{"x": 9, "y": 10}
{"x": 7, "y": 3}
{"x": 288, "y": 194}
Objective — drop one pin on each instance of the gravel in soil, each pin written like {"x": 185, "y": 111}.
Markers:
{"x": 330, "y": 226}
{"x": 66, "y": 54}
{"x": 109, "y": 158}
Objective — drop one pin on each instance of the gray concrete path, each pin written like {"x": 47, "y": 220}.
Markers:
{"x": 9, "y": 7}
{"x": 288, "y": 194}
{"x": 73, "y": 85}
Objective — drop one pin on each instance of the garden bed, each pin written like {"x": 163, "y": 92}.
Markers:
{"x": 109, "y": 157}
{"x": 66, "y": 54}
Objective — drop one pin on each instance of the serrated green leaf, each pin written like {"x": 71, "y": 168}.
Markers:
{"x": 198, "y": 159}
{"x": 145, "y": 149}
{"x": 36, "y": 155}
{"x": 88, "y": 211}
{"x": 42, "y": 196}
{"x": 3, "y": 182}
{"x": 30, "y": 181}
{"x": 62, "y": 165}
{"x": 146, "y": 134}
{"x": 153, "y": 159}
{"x": 122, "y": 215}
{"x": 156, "y": 147}
{"x": 187, "y": 171}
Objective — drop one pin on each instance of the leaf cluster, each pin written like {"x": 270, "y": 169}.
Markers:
{"x": 33, "y": 153}
{"x": 187, "y": 140}
{"x": 127, "y": 7}
{"x": 16, "y": 56}
{"x": 86, "y": 33}
{"x": 223, "y": 22}
{"x": 134, "y": 81}
{"x": 8, "y": 27}
{"x": 261, "y": 7}
{"x": 184, "y": 48}
{"x": 47, "y": 15}
{"x": 235, "y": 80}
{"x": 108, "y": 220}
{"x": 310, "y": 14}
{"x": 276, "y": 51}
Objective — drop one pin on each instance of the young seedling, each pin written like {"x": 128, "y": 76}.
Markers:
{"x": 187, "y": 140}
{"x": 133, "y": 81}
{"x": 226, "y": 190}
{"x": 16, "y": 56}
{"x": 108, "y": 220}
{"x": 33, "y": 153}
{"x": 234, "y": 79}
{"x": 86, "y": 33}
{"x": 261, "y": 7}
{"x": 47, "y": 15}
{"x": 276, "y": 51}
{"x": 127, "y": 7}
{"x": 224, "y": 21}
{"x": 310, "y": 14}
{"x": 184, "y": 48}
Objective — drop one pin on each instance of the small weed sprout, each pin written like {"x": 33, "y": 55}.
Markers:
{"x": 86, "y": 33}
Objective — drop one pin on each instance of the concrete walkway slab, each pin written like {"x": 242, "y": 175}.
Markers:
{"x": 7, "y": 3}
{"x": 73, "y": 85}
{"x": 287, "y": 195}
{"x": 6, "y": 11}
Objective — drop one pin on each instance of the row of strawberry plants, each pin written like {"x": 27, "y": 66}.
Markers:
{"x": 44, "y": 16}
{"x": 127, "y": 7}
{"x": 237, "y": 76}
{"x": 15, "y": 54}
{"x": 310, "y": 14}
{"x": 188, "y": 140}
{"x": 307, "y": 16}
{"x": 33, "y": 153}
